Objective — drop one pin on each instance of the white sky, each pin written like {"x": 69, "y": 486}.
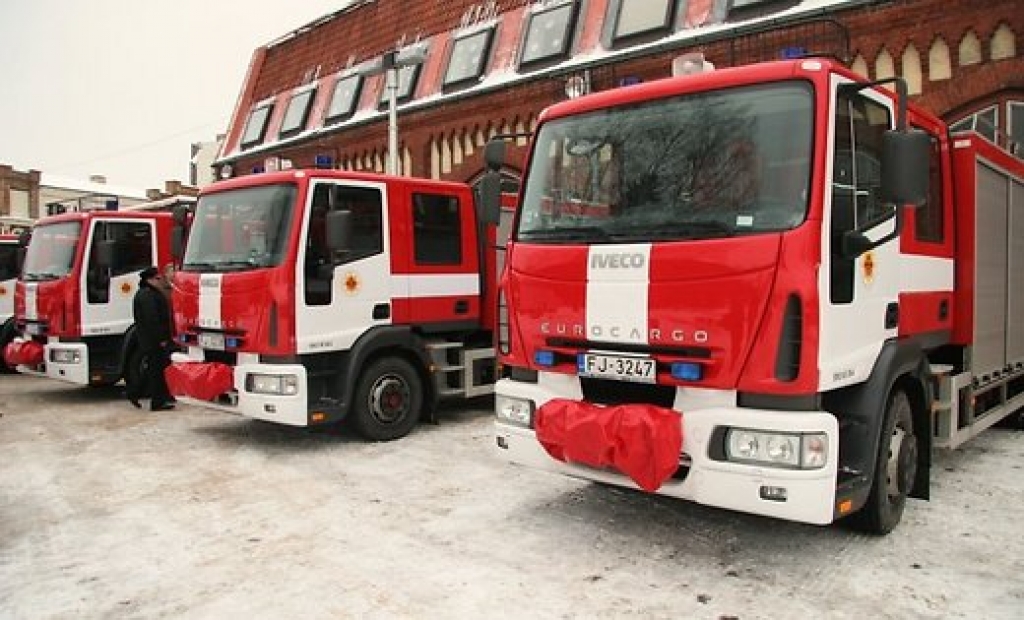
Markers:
{"x": 122, "y": 88}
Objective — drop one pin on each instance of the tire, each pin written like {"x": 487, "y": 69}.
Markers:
{"x": 895, "y": 469}
{"x": 135, "y": 382}
{"x": 388, "y": 400}
{"x": 7, "y": 333}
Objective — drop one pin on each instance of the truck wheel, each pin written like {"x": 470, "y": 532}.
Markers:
{"x": 135, "y": 383}
{"x": 895, "y": 469}
{"x": 7, "y": 333}
{"x": 388, "y": 400}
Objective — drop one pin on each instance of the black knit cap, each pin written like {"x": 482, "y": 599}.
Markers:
{"x": 148, "y": 273}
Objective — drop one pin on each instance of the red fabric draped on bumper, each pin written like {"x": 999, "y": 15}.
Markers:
{"x": 23, "y": 352}
{"x": 202, "y": 380}
{"x": 641, "y": 441}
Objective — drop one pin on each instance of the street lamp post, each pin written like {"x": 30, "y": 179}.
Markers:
{"x": 391, "y": 65}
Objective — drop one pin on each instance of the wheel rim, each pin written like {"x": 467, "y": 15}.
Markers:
{"x": 389, "y": 399}
{"x": 902, "y": 464}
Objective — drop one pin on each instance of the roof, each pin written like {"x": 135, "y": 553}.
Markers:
{"x": 89, "y": 187}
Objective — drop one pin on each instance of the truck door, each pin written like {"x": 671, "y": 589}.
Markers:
{"x": 859, "y": 291}
{"x": 343, "y": 293}
{"x": 109, "y": 290}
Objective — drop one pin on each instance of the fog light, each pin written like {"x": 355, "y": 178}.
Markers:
{"x": 514, "y": 411}
{"x": 774, "y": 494}
{"x": 687, "y": 371}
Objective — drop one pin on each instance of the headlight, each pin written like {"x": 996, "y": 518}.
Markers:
{"x": 791, "y": 450}
{"x": 65, "y": 356}
{"x": 286, "y": 385}
{"x": 514, "y": 411}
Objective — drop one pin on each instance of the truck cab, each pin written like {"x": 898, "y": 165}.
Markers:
{"x": 310, "y": 296}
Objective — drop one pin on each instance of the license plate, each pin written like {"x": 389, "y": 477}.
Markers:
{"x": 620, "y": 367}
{"x": 212, "y": 341}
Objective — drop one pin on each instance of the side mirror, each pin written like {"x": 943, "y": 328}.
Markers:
{"x": 105, "y": 253}
{"x": 178, "y": 242}
{"x": 905, "y": 158}
{"x": 489, "y": 198}
{"x": 338, "y": 231}
{"x": 494, "y": 154}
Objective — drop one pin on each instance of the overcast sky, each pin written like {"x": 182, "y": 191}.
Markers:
{"x": 122, "y": 88}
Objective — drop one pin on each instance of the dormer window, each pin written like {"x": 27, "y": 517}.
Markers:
{"x": 296, "y": 113}
{"x": 468, "y": 58}
{"x": 256, "y": 126}
{"x": 643, "y": 19}
{"x": 549, "y": 34}
{"x": 408, "y": 75}
{"x": 344, "y": 99}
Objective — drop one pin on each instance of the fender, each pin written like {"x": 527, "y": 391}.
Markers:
{"x": 861, "y": 409}
{"x": 400, "y": 338}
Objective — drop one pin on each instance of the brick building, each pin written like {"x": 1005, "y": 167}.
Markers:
{"x": 29, "y": 195}
{"x": 317, "y": 95}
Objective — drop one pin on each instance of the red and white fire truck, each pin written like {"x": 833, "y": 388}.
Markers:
{"x": 73, "y": 298}
{"x": 8, "y": 276}
{"x": 771, "y": 289}
{"x": 310, "y": 296}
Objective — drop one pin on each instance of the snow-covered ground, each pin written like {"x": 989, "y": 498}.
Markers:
{"x": 111, "y": 512}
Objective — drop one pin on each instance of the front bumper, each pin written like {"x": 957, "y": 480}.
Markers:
{"x": 290, "y": 409}
{"x": 809, "y": 494}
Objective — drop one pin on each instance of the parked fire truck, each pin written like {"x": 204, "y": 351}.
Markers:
{"x": 8, "y": 276}
{"x": 771, "y": 289}
{"x": 73, "y": 299}
{"x": 306, "y": 297}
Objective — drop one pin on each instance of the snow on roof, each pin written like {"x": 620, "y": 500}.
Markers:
{"x": 90, "y": 187}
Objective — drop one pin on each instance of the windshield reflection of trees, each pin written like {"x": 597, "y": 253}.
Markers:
{"x": 710, "y": 165}
{"x": 240, "y": 229}
{"x": 51, "y": 252}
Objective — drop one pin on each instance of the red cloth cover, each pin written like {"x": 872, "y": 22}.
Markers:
{"x": 202, "y": 380}
{"x": 24, "y": 352}
{"x": 641, "y": 441}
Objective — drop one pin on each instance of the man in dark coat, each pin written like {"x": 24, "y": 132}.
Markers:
{"x": 152, "y": 311}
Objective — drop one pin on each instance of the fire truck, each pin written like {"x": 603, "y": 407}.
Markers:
{"x": 73, "y": 299}
{"x": 771, "y": 289}
{"x": 308, "y": 297}
{"x": 8, "y": 276}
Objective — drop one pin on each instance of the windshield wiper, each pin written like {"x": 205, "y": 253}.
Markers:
{"x": 699, "y": 229}
{"x": 199, "y": 267}
{"x": 36, "y": 277}
{"x": 566, "y": 233}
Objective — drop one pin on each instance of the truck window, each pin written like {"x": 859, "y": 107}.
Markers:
{"x": 51, "y": 252}
{"x": 437, "y": 229}
{"x": 699, "y": 166}
{"x": 8, "y": 261}
{"x": 241, "y": 229}
{"x": 928, "y": 217}
{"x": 133, "y": 252}
{"x": 860, "y": 124}
{"x": 366, "y": 206}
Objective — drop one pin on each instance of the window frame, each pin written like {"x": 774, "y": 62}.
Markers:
{"x": 402, "y": 95}
{"x": 646, "y": 33}
{"x": 568, "y": 35}
{"x": 247, "y": 140}
{"x": 353, "y": 105}
{"x": 288, "y": 130}
{"x": 482, "y": 59}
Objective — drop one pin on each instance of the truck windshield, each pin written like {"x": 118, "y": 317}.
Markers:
{"x": 699, "y": 166}
{"x": 51, "y": 252}
{"x": 240, "y": 229}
